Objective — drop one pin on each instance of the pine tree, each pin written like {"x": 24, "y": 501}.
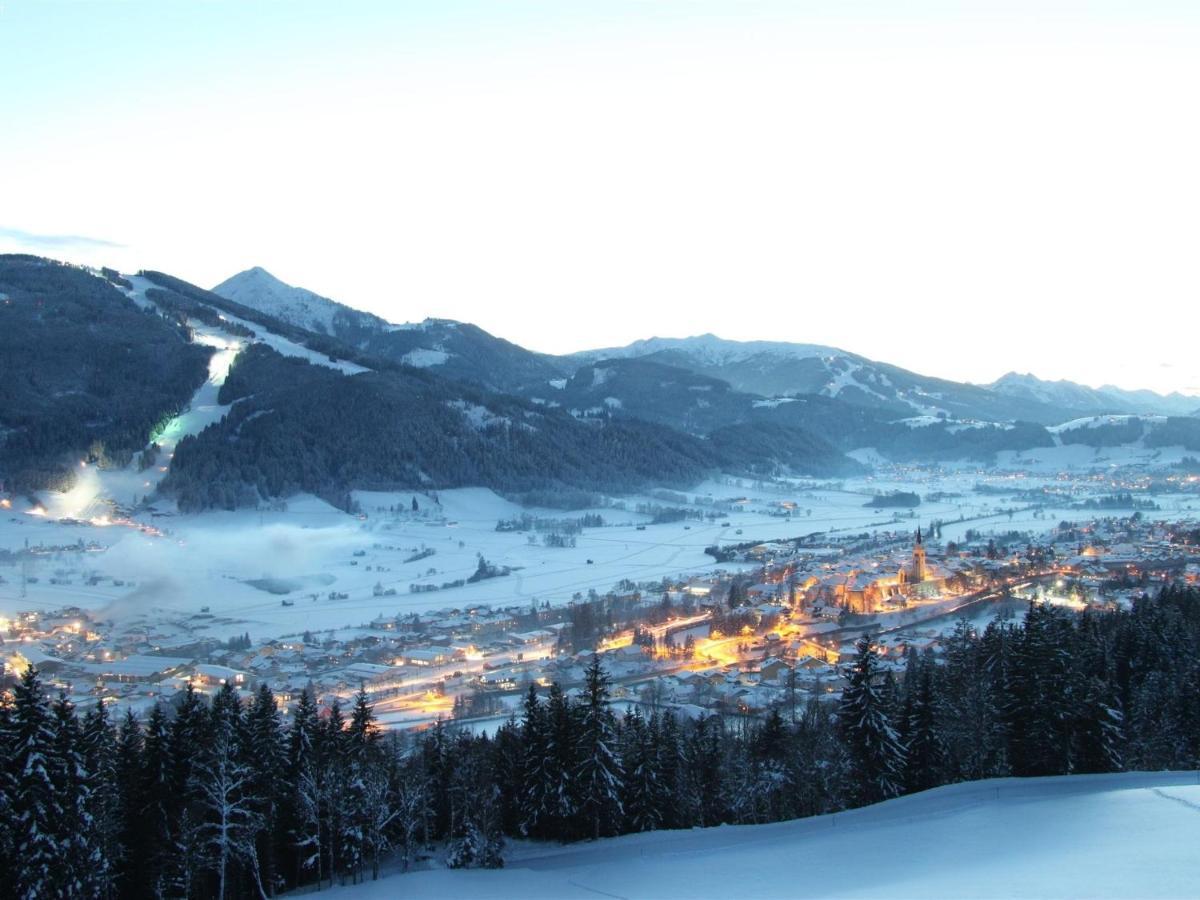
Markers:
{"x": 641, "y": 795}
{"x": 100, "y": 760}
{"x": 7, "y": 792}
{"x": 82, "y": 868}
{"x": 264, "y": 754}
{"x": 924, "y": 755}
{"x": 562, "y": 745}
{"x": 303, "y": 807}
{"x": 874, "y": 755}
{"x": 36, "y": 811}
{"x": 188, "y": 736}
{"x": 228, "y": 810}
{"x": 535, "y": 801}
{"x": 600, "y": 775}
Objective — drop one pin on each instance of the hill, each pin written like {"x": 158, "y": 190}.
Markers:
{"x": 453, "y": 349}
{"x": 299, "y": 427}
{"x": 1125, "y": 835}
{"x": 86, "y": 373}
{"x": 259, "y": 289}
{"x": 775, "y": 369}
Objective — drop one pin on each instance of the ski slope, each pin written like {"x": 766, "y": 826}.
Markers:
{"x": 1126, "y": 835}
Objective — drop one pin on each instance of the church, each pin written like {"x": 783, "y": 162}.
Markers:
{"x": 866, "y": 592}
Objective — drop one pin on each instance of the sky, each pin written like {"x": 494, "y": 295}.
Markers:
{"x": 962, "y": 189}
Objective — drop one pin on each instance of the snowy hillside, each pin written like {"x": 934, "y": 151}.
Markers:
{"x": 1127, "y": 835}
{"x": 259, "y": 289}
{"x": 775, "y": 369}
{"x": 712, "y": 350}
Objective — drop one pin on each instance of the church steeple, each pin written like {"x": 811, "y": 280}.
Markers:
{"x": 918, "y": 571}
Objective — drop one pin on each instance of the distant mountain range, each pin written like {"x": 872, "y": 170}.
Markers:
{"x": 328, "y": 399}
{"x": 765, "y": 369}
{"x": 1106, "y": 399}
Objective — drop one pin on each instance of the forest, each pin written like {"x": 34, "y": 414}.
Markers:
{"x": 302, "y": 427}
{"x": 87, "y": 374}
{"x": 222, "y": 800}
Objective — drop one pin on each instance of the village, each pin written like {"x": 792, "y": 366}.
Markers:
{"x": 740, "y": 643}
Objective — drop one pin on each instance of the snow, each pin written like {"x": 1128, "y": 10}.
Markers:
{"x": 712, "y": 350}
{"x": 276, "y": 342}
{"x": 480, "y": 417}
{"x": 1101, "y": 421}
{"x": 773, "y": 402}
{"x": 423, "y": 357}
{"x": 601, "y": 375}
{"x": 260, "y": 290}
{"x": 1125, "y": 835}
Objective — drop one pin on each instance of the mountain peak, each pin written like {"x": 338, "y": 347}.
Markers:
{"x": 259, "y": 289}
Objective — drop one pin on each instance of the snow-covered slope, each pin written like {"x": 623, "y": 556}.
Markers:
{"x": 1127, "y": 835}
{"x": 712, "y": 350}
{"x": 259, "y": 289}
{"x": 775, "y": 369}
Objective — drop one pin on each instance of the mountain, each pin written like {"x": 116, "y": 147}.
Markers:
{"x": 296, "y": 426}
{"x": 84, "y": 373}
{"x": 259, "y": 289}
{"x": 775, "y": 369}
{"x": 1125, "y": 430}
{"x": 1106, "y": 399}
{"x": 454, "y": 349}
{"x": 646, "y": 389}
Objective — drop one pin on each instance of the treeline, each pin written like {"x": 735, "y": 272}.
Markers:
{"x": 87, "y": 374}
{"x": 224, "y": 801}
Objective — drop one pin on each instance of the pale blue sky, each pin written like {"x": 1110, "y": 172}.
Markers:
{"x": 959, "y": 188}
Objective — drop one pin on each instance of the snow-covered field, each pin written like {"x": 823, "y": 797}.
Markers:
{"x": 310, "y": 549}
{"x": 1127, "y": 835}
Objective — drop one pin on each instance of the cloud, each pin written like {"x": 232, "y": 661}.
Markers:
{"x": 56, "y": 241}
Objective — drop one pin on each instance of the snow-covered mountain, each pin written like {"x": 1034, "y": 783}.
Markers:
{"x": 776, "y": 369}
{"x": 259, "y": 289}
{"x": 455, "y": 349}
{"x": 1106, "y": 399}
{"x": 1127, "y": 835}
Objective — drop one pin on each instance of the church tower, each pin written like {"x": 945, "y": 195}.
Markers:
{"x": 919, "y": 572}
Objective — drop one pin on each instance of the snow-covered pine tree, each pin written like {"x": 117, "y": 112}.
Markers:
{"x": 874, "y": 756}
{"x": 189, "y": 735}
{"x": 155, "y": 828}
{"x": 331, "y": 770}
{"x": 100, "y": 760}
{"x": 35, "y": 809}
{"x": 561, "y": 753}
{"x": 264, "y": 753}
{"x": 228, "y": 821}
{"x": 360, "y": 755}
{"x": 135, "y": 823}
{"x": 641, "y": 797}
{"x": 82, "y": 868}
{"x": 303, "y": 806}
{"x": 599, "y": 774}
{"x": 7, "y": 791}
{"x": 534, "y": 802}
{"x": 923, "y": 765}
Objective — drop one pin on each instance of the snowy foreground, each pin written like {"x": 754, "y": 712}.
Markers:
{"x": 1126, "y": 835}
